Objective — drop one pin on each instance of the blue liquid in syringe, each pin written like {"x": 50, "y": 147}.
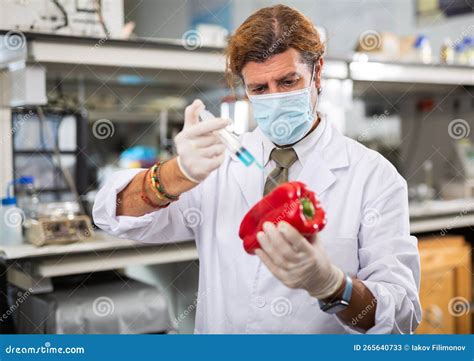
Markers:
{"x": 247, "y": 158}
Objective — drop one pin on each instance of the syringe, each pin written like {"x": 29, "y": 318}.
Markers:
{"x": 232, "y": 142}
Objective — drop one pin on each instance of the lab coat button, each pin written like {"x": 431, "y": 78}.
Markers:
{"x": 260, "y": 302}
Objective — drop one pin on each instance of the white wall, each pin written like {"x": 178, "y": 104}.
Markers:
{"x": 158, "y": 18}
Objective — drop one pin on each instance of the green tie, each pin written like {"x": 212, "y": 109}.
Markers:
{"x": 284, "y": 158}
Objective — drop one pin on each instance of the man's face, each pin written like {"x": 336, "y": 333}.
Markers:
{"x": 281, "y": 73}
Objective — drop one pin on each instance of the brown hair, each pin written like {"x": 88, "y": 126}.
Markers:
{"x": 270, "y": 31}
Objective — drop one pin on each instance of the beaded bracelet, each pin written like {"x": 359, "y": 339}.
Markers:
{"x": 145, "y": 197}
{"x": 156, "y": 178}
{"x": 153, "y": 185}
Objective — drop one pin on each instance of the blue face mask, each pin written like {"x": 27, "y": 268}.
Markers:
{"x": 284, "y": 118}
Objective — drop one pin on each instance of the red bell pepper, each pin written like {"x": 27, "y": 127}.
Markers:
{"x": 292, "y": 202}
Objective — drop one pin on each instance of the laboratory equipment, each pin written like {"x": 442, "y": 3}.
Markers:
{"x": 464, "y": 187}
{"x": 447, "y": 52}
{"x": 465, "y": 151}
{"x": 61, "y": 230}
{"x": 459, "y": 54}
{"x": 11, "y": 219}
{"x": 89, "y": 18}
{"x": 423, "y": 49}
{"x": 58, "y": 223}
{"x": 26, "y": 196}
{"x": 232, "y": 143}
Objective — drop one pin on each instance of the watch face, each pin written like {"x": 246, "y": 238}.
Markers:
{"x": 335, "y": 307}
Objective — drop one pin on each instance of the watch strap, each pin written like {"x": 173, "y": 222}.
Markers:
{"x": 340, "y": 304}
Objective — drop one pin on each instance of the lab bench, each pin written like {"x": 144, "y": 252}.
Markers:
{"x": 444, "y": 276}
{"x": 441, "y": 215}
{"x": 33, "y": 267}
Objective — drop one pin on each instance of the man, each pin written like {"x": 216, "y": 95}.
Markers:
{"x": 360, "y": 274}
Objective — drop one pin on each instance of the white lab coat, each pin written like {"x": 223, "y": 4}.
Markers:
{"x": 367, "y": 236}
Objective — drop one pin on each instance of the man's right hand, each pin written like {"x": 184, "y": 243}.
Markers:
{"x": 200, "y": 151}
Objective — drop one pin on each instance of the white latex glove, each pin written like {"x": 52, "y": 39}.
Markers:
{"x": 296, "y": 262}
{"x": 200, "y": 150}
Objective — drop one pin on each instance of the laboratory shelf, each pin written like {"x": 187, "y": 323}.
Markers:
{"x": 434, "y": 74}
{"x": 167, "y": 54}
{"x": 162, "y": 54}
{"x": 129, "y": 116}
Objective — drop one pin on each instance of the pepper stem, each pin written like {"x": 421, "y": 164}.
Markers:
{"x": 308, "y": 208}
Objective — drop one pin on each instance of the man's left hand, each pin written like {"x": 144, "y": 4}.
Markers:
{"x": 296, "y": 262}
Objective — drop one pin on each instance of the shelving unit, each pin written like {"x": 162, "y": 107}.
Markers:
{"x": 434, "y": 74}
{"x": 90, "y": 59}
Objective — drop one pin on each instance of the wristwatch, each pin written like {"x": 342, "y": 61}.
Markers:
{"x": 340, "y": 304}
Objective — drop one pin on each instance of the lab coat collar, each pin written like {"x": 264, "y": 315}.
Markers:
{"x": 329, "y": 153}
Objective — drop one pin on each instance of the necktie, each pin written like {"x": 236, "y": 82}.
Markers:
{"x": 284, "y": 158}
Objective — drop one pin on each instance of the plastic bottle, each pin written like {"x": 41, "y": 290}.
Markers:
{"x": 423, "y": 49}
{"x": 468, "y": 42}
{"x": 27, "y": 198}
{"x": 11, "y": 219}
{"x": 447, "y": 52}
{"x": 460, "y": 55}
